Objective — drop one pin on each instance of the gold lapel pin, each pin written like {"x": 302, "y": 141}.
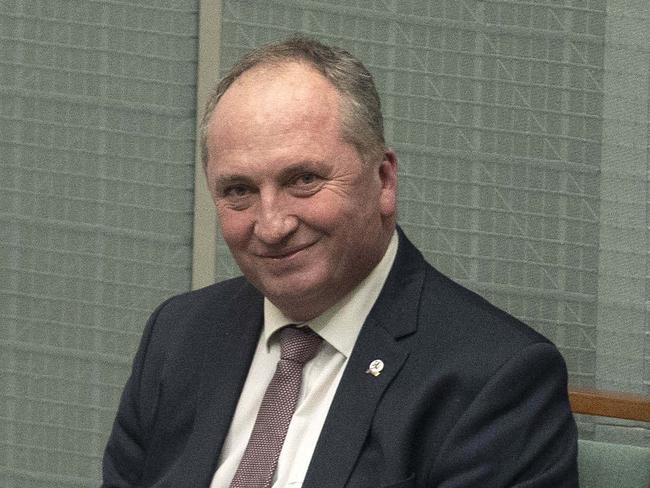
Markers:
{"x": 375, "y": 367}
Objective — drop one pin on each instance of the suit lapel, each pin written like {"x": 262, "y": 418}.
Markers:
{"x": 228, "y": 354}
{"x": 353, "y": 408}
{"x": 393, "y": 316}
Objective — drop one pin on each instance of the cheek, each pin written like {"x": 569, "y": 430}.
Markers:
{"x": 322, "y": 216}
{"x": 235, "y": 227}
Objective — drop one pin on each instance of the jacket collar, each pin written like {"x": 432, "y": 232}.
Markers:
{"x": 393, "y": 316}
{"x": 397, "y": 307}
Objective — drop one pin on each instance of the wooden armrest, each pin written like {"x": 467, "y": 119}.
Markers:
{"x": 610, "y": 404}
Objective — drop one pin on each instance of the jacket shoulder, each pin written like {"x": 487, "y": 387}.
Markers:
{"x": 471, "y": 312}
{"x": 189, "y": 318}
{"x": 215, "y": 296}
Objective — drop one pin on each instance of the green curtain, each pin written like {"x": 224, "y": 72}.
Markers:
{"x": 96, "y": 189}
{"x": 521, "y": 129}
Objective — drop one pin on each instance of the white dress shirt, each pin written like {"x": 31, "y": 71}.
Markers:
{"x": 339, "y": 327}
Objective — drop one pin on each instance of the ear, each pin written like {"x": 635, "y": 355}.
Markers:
{"x": 388, "y": 179}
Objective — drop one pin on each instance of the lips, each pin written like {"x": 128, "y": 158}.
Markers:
{"x": 285, "y": 253}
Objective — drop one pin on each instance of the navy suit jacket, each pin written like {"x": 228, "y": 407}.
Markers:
{"x": 469, "y": 396}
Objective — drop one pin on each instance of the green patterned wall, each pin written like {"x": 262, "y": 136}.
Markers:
{"x": 96, "y": 189}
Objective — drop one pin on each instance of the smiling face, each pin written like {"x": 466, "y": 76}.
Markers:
{"x": 304, "y": 216}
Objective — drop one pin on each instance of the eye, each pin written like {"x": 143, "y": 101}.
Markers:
{"x": 236, "y": 191}
{"x": 305, "y": 179}
{"x": 237, "y": 196}
{"x": 305, "y": 184}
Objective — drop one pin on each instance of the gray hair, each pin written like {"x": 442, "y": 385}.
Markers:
{"x": 361, "y": 120}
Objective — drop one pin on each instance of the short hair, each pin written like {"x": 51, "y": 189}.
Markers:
{"x": 360, "y": 109}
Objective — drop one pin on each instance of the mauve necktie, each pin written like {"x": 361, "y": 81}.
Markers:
{"x": 298, "y": 345}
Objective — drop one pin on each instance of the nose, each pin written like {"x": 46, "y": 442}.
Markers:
{"x": 274, "y": 223}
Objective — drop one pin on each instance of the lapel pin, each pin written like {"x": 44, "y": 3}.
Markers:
{"x": 375, "y": 367}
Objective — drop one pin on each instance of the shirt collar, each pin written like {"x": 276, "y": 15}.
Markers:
{"x": 340, "y": 324}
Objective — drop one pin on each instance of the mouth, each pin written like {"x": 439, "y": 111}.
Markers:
{"x": 286, "y": 253}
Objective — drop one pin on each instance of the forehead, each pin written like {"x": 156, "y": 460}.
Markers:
{"x": 284, "y": 110}
{"x": 272, "y": 118}
{"x": 279, "y": 96}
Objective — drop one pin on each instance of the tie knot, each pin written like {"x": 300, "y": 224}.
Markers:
{"x": 298, "y": 344}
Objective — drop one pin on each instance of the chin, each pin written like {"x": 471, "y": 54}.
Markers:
{"x": 299, "y": 301}
{"x": 287, "y": 294}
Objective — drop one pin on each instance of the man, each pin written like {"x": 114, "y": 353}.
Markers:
{"x": 418, "y": 382}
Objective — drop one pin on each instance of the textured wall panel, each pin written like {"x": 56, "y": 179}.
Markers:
{"x": 96, "y": 187}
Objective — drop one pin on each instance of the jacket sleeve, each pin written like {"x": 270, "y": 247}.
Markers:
{"x": 518, "y": 431}
{"x": 126, "y": 451}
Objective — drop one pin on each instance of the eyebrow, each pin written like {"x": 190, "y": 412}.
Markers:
{"x": 227, "y": 180}
{"x": 307, "y": 165}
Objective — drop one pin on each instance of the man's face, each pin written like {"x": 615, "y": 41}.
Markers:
{"x": 304, "y": 217}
